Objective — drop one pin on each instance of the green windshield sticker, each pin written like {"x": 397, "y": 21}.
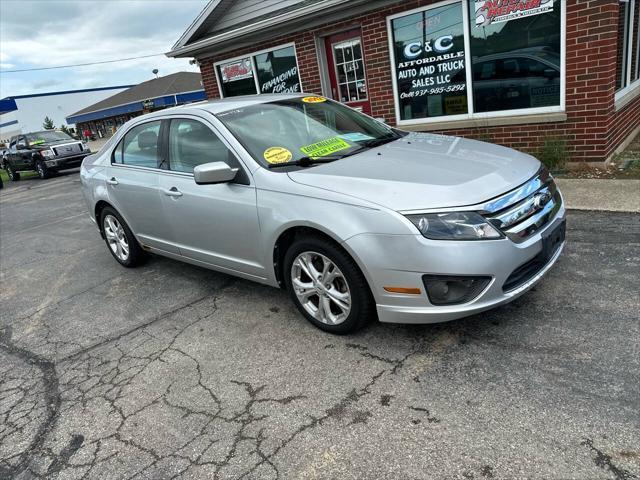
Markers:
{"x": 36, "y": 142}
{"x": 325, "y": 147}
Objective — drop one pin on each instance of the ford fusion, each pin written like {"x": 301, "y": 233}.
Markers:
{"x": 355, "y": 219}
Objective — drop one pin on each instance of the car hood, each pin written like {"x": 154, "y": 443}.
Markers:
{"x": 54, "y": 143}
{"x": 423, "y": 171}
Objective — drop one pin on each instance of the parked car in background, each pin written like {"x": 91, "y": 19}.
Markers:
{"x": 4, "y": 149}
{"x": 352, "y": 217}
{"x": 524, "y": 78}
{"x": 45, "y": 152}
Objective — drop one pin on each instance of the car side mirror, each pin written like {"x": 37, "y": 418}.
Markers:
{"x": 214, "y": 172}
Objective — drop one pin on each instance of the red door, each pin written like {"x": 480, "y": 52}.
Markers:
{"x": 346, "y": 70}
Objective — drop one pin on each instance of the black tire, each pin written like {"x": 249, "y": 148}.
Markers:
{"x": 362, "y": 303}
{"x": 43, "y": 171}
{"x": 136, "y": 254}
{"x": 13, "y": 175}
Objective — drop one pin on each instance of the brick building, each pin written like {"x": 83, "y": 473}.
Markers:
{"x": 522, "y": 73}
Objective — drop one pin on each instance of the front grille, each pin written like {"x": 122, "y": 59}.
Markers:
{"x": 67, "y": 149}
{"x": 526, "y": 210}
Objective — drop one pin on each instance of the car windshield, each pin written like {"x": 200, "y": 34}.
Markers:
{"x": 46, "y": 136}
{"x": 306, "y": 128}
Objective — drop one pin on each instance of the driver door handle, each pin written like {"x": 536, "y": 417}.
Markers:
{"x": 112, "y": 181}
{"x": 173, "y": 192}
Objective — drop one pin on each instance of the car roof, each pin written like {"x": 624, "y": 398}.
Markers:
{"x": 230, "y": 103}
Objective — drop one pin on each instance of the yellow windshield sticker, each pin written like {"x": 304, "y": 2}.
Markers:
{"x": 277, "y": 155}
{"x": 325, "y": 147}
{"x": 36, "y": 142}
{"x": 314, "y": 99}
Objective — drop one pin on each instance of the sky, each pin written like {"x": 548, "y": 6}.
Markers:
{"x": 48, "y": 33}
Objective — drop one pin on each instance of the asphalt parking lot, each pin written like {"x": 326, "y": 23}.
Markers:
{"x": 171, "y": 371}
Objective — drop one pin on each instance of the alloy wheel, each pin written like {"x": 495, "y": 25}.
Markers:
{"x": 116, "y": 237}
{"x": 321, "y": 288}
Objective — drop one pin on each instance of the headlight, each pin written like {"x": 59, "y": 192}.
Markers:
{"x": 47, "y": 153}
{"x": 454, "y": 226}
{"x": 85, "y": 147}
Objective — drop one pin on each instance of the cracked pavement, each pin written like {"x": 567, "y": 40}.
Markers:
{"x": 173, "y": 371}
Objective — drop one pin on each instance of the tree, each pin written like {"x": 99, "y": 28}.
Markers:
{"x": 48, "y": 124}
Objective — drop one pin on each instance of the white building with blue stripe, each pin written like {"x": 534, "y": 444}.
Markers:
{"x": 26, "y": 113}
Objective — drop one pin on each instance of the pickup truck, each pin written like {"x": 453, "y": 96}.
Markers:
{"x": 44, "y": 152}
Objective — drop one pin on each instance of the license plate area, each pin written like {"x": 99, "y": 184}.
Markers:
{"x": 552, "y": 240}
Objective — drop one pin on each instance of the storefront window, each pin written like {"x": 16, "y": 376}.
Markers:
{"x": 278, "y": 71}
{"x": 516, "y": 61}
{"x": 274, "y": 71}
{"x": 513, "y": 52}
{"x": 628, "y": 45}
{"x": 429, "y": 62}
{"x": 237, "y": 78}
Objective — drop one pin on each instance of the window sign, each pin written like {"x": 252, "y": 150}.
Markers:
{"x": 488, "y": 12}
{"x": 430, "y": 62}
{"x": 278, "y": 71}
{"x": 269, "y": 71}
{"x": 238, "y": 70}
{"x": 468, "y": 57}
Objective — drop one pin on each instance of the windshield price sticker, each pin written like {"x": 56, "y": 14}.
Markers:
{"x": 277, "y": 155}
{"x": 325, "y": 147}
{"x": 314, "y": 99}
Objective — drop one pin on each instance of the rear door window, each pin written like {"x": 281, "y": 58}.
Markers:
{"x": 140, "y": 146}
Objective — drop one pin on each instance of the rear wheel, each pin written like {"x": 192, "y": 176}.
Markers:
{"x": 43, "y": 171}
{"x": 327, "y": 286}
{"x": 13, "y": 175}
{"x": 120, "y": 240}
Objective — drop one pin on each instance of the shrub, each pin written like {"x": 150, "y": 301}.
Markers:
{"x": 554, "y": 152}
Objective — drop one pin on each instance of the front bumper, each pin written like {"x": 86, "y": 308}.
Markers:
{"x": 402, "y": 260}
{"x": 62, "y": 163}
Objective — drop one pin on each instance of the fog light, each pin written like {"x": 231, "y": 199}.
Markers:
{"x": 50, "y": 163}
{"x": 453, "y": 290}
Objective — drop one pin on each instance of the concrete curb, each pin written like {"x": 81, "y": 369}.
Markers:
{"x": 601, "y": 194}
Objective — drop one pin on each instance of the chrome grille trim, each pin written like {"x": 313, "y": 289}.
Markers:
{"x": 531, "y": 225}
{"x": 519, "y": 214}
{"x": 542, "y": 178}
{"x": 61, "y": 150}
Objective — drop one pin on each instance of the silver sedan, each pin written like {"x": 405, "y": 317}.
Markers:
{"x": 356, "y": 219}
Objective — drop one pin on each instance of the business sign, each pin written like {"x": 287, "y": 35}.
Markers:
{"x": 489, "y": 12}
{"x": 238, "y": 70}
{"x": 433, "y": 67}
{"x": 285, "y": 82}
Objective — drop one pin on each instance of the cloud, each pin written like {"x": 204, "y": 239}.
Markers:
{"x": 53, "y": 33}
{"x": 45, "y": 83}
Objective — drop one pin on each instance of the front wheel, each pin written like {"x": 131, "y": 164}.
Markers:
{"x": 13, "y": 175}
{"x": 327, "y": 286}
{"x": 120, "y": 239}
{"x": 43, "y": 171}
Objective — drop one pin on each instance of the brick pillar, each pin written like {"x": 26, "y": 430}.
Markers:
{"x": 209, "y": 79}
{"x": 591, "y": 75}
